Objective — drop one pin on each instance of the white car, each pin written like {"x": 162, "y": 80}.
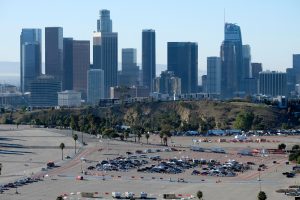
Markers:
{"x": 129, "y": 195}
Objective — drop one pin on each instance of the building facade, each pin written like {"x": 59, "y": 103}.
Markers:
{"x": 233, "y": 72}
{"x": 67, "y": 80}
{"x": 148, "y": 58}
{"x": 256, "y": 68}
{"x": 272, "y": 83}
{"x": 106, "y": 58}
{"x": 104, "y": 23}
{"x": 183, "y": 61}
{"x": 213, "y": 75}
{"x": 54, "y": 52}
{"x": 81, "y": 63}
{"x": 129, "y": 75}
{"x": 30, "y": 57}
{"x": 95, "y": 90}
{"x": 44, "y": 91}
{"x": 167, "y": 83}
{"x": 69, "y": 98}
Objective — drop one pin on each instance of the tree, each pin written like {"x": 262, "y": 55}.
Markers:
{"x": 261, "y": 195}
{"x": 199, "y": 194}
{"x": 75, "y": 138}
{"x": 244, "y": 121}
{"x": 147, "y": 137}
{"x": 296, "y": 147}
{"x": 62, "y": 146}
{"x": 281, "y": 146}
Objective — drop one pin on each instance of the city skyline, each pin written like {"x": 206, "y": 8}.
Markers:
{"x": 202, "y": 22}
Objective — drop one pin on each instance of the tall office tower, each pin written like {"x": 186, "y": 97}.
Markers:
{"x": 81, "y": 63}
{"x": 148, "y": 58}
{"x": 54, "y": 52}
{"x": 167, "y": 83}
{"x": 129, "y": 75}
{"x": 255, "y": 69}
{"x": 104, "y": 23}
{"x": 97, "y": 50}
{"x": 204, "y": 83}
{"x": 44, "y": 91}
{"x": 232, "y": 62}
{"x": 246, "y": 61}
{"x": 67, "y": 80}
{"x": 214, "y": 75}
{"x": 183, "y": 61}
{"x": 30, "y": 56}
{"x": 106, "y": 58}
{"x": 296, "y": 67}
{"x": 296, "y": 62}
{"x": 272, "y": 83}
{"x": 290, "y": 81}
{"x": 95, "y": 89}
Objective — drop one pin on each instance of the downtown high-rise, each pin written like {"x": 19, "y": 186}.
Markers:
{"x": 183, "y": 61}
{"x": 54, "y": 52}
{"x": 81, "y": 64}
{"x": 130, "y": 71}
{"x": 30, "y": 57}
{"x": 213, "y": 84}
{"x": 148, "y": 58}
{"x": 105, "y": 51}
{"x": 233, "y": 72}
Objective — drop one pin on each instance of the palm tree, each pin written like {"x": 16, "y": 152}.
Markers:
{"x": 62, "y": 146}
{"x": 139, "y": 135}
{"x": 199, "y": 194}
{"x": 161, "y": 135}
{"x": 261, "y": 195}
{"x": 75, "y": 137}
{"x": 147, "y": 137}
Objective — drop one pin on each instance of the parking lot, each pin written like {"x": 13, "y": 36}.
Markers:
{"x": 116, "y": 166}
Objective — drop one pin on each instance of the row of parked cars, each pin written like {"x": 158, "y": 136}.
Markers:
{"x": 128, "y": 195}
{"x": 227, "y": 169}
{"x": 121, "y": 163}
{"x": 172, "y": 166}
{"x": 18, "y": 183}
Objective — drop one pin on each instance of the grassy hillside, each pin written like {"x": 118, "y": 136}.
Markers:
{"x": 200, "y": 115}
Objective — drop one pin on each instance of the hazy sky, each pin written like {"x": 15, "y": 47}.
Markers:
{"x": 270, "y": 27}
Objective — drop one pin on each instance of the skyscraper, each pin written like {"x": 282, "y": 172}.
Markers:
{"x": 246, "y": 61}
{"x": 67, "y": 81}
{"x": 272, "y": 83}
{"x": 233, "y": 71}
{"x": 105, "y": 47}
{"x": 148, "y": 58}
{"x": 183, "y": 61}
{"x": 95, "y": 88}
{"x": 255, "y": 69}
{"x": 106, "y": 58}
{"x": 167, "y": 83}
{"x": 81, "y": 63}
{"x": 30, "y": 56}
{"x": 54, "y": 52}
{"x": 296, "y": 67}
{"x": 214, "y": 75}
{"x": 296, "y": 62}
{"x": 130, "y": 71}
{"x": 104, "y": 23}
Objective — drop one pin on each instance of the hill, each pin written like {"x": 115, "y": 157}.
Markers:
{"x": 179, "y": 115}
